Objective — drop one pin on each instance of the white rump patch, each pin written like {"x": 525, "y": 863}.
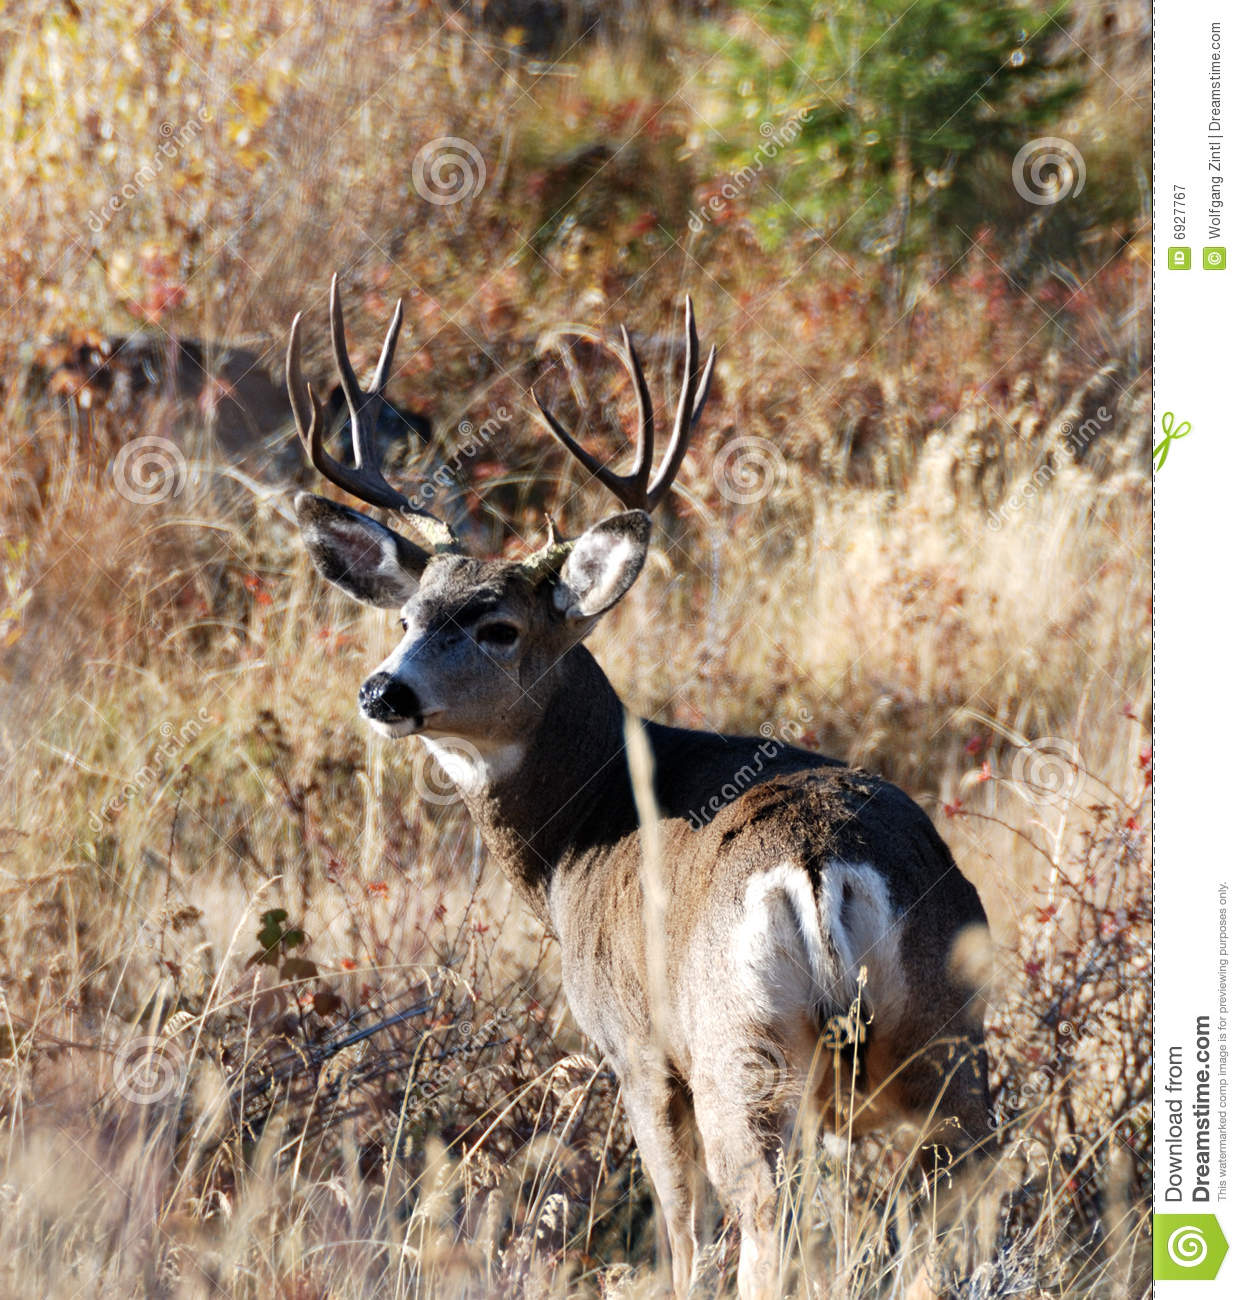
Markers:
{"x": 794, "y": 955}
{"x": 862, "y": 926}
{"x": 779, "y": 949}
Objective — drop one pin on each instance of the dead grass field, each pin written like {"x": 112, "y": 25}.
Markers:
{"x": 212, "y": 875}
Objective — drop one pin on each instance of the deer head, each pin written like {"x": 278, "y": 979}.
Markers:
{"x": 485, "y": 642}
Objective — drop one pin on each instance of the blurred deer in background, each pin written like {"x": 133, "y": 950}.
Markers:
{"x": 747, "y": 928}
{"x": 226, "y": 391}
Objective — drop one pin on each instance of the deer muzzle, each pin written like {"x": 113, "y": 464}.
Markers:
{"x": 384, "y": 698}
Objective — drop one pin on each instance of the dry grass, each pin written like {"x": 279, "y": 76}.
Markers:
{"x": 925, "y": 582}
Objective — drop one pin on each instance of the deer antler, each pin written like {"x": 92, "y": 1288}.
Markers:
{"x": 547, "y": 560}
{"x": 632, "y": 489}
{"x": 365, "y": 479}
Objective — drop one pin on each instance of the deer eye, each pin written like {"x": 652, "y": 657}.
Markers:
{"x": 497, "y": 634}
{"x": 405, "y": 624}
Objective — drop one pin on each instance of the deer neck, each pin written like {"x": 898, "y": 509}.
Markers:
{"x": 541, "y": 802}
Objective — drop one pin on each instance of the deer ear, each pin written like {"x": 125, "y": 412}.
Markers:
{"x": 603, "y": 566}
{"x": 367, "y": 561}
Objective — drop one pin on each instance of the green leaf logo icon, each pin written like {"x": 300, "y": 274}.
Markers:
{"x": 1188, "y": 1247}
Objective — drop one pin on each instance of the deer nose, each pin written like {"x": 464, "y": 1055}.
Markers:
{"x": 386, "y": 699}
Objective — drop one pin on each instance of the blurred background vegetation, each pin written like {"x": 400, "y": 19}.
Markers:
{"x": 916, "y": 523}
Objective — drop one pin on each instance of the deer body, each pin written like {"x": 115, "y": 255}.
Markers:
{"x": 774, "y": 905}
{"x": 220, "y": 387}
{"x": 714, "y": 949}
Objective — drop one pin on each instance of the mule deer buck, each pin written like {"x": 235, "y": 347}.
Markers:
{"x": 707, "y": 937}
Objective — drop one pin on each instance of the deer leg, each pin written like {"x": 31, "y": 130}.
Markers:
{"x": 740, "y": 1145}
{"x": 662, "y": 1121}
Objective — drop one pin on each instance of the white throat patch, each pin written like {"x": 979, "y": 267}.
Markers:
{"x": 472, "y": 767}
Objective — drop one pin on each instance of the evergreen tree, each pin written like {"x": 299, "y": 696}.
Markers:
{"x": 906, "y": 109}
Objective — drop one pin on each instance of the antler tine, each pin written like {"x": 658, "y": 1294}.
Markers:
{"x": 705, "y": 384}
{"x": 383, "y": 367}
{"x": 307, "y": 413}
{"x": 366, "y": 479}
{"x": 344, "y": 367}
{"x": 645, "y": 450}
{"x": 362, "y": 416}
{"x": 307, "y": 409}
{"x": 694, "y": 390}
{"x": 632, "y": 488}
{"x": 629, "y": 492}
